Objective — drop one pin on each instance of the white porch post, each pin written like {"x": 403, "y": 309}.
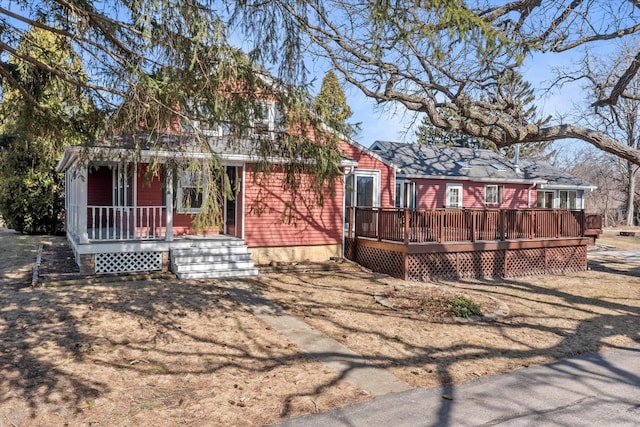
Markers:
{"x": 169, "y": 204}
{"x": 134, "y": 195}
{"x": 83, "y": 181}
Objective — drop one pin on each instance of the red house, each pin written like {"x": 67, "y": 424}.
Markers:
{"x": 430, "y": 177}
{"x": 121, "y": 218}
{"x": 461, "y": 212}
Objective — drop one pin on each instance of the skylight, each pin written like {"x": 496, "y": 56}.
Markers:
{"x": 499, "y": 166}
{"x": 463, "y": 164}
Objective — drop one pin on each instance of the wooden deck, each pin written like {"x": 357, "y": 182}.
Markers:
{"x": 455, "y": 243}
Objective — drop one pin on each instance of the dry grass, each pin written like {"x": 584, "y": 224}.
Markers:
{"x": 550, "y": 318}
{"x": 150, "y": 353}
{"x": 611, "y": 237}
{"x": 165, "y": 352}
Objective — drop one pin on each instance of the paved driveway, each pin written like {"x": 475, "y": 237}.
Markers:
{"x": 600, "y": 389}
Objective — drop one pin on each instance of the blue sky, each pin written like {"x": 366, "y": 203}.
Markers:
{"x": 385, "y": 125}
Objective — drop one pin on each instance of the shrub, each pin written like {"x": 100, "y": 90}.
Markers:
{"x": 462, "y": 306}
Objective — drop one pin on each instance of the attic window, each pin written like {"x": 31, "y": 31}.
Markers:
{"x": 463, "y": 164}
{"x": 499, "y": 166}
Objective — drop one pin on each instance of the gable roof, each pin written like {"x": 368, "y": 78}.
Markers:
{"x": 468, "y": 164}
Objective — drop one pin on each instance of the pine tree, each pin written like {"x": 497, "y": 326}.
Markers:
{"x": 516, "y": 96}
{"x": 31, "y": 192}
{"x": 331, "y": 105}
{"x": 429, "y": 134}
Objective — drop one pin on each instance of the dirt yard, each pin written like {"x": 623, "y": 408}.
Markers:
{"x": 165, "y": 352}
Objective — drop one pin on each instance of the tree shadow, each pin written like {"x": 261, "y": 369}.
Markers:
{"x": 45, "y": 331}
{"x": 596, "y": 320}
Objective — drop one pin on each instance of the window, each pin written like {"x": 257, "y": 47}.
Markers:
{"x": 493, "y": 194}
{"x": 406, "y": 194}
{"x": 545, "y": 199}
{"x": 363, "y": 188}
{"x": 267, "y": 118}
{"x": 568, "y": 200}
{"x": 190, "y": 192}
{"x": 454, "y": 196}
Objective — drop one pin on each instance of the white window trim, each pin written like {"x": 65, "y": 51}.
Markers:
{"x": 268, "y": 125}
{"x": 180, "y": 194}
{"x": 401, "y": 201}
{"x": 448, "y": 195}
{"x": 577, "y": 198}
{"x": 376, "y": 185}
{"x": 497, "y": 188}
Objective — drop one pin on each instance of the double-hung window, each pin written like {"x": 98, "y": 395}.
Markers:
{"x": 545, "y": 199}
{"x": 191, "y": 192}
{"x": 493, "y": 194}
{"x": 569, "y": 199}
{"x": 454, "y": 196}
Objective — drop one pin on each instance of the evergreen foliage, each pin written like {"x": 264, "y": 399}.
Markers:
{"x": 516, "y": 95}
{"x": 31, "y": 192}
{"x": 331, "y": 105}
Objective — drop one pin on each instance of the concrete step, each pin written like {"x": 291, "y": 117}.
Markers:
{"x": 208, "y": 243}
{"x": 209, "y": 258}
{"x": 218, "y": 274}
{"x": 214, "y": 266}
{"x": 212, "y": 258}
{"x": 209, "y": 251}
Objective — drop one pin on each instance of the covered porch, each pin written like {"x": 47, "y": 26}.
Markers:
{"x": 455, "y": 243}
{"x": 122, "y": 218}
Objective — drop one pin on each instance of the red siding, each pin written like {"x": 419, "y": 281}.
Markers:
{"x": 99, "y": 186}
{"x": 265, "y": 203}
{"x": 366, "y": 161}
{"x": 150, "y": 188}
{"x": 431, "y": 194}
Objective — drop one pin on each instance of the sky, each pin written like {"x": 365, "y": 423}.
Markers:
{"x": 385, "y": 124}
{"x": 377, "y": 124}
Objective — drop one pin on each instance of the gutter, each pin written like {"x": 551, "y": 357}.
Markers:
{"x": 70, "y": 156}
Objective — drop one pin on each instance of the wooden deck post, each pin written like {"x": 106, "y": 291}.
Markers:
{"x": 503, "y": 215}
{"x": 473, "y": 216}
{"x": 406, "y": 226}
{"x": 440, "y": 226}
{"x": 558, "y": 225}
{"x": 582, "y": 223}
{"x": 532, "y": 225}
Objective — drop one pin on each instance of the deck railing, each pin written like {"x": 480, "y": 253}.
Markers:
{"x": 126, "y": 222}
{"x": 466, "y": 225}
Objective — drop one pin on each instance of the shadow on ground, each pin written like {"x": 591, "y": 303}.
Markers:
{"x": 163, "y": 348}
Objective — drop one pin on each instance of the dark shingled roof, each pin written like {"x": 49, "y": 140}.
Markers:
{"x": 427, "y": 161}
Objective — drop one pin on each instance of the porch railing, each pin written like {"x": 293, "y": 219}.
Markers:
{"x": 464, "y": 225}
{"x": 126, "y": 222}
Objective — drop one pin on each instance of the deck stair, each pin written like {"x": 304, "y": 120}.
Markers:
{"x": 212, "y": 258}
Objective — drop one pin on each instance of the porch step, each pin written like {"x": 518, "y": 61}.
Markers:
{"x": 203, "y": 259}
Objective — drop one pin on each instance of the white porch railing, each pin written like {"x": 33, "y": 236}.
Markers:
{"x": 126, "y": 223}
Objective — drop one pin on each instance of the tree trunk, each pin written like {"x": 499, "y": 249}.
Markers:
{"x": 631, "y": 191}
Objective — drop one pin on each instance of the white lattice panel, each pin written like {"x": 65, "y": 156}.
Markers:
{"x": 120, "y": 262}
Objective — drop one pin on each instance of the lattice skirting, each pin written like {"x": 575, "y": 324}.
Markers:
{"x": 380, "y": 260}
{"x": 350, "y": 248}
{"x": 121, "y": 262}
{"x": 490, "y": 263}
